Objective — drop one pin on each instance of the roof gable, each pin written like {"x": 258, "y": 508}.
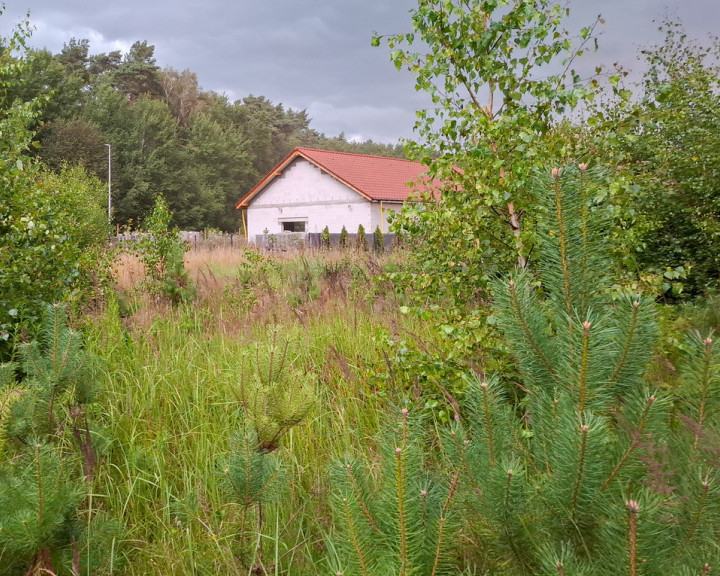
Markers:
{"x": 375, "y": 178}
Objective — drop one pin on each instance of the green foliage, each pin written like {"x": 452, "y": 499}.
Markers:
{"x": 344, "y": 240}
{"x": 275, "y": 396}
{"x": 44, "y": 482}
{"x": 40, "y": 498}
{"x": 274, "y": 393}
{"x": 138, "y": 75}
{"x": 399, "y": 524}
{"x": 254, "y": 275}
{"x": 673, "y": 147}
{"x": 162, "y": 253}
{"x": 587, "y": 470}
{"x": 325, "y": 242}
{"x": 361, "y": 240}
{"x": 254, "y": 474}
{"x": 302, "y": 281}
{"x": 49, "y": 224}
{"x": 378, "y": 241}
{"x": 492, "y": 70}
{"x": 486, "y": 153}
{"x": 217, "y": 160}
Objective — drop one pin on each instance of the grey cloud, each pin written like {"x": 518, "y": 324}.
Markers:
{"x": 314, "y": 54}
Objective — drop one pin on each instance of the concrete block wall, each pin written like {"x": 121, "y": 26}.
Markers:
{"x": 307, "y": 194}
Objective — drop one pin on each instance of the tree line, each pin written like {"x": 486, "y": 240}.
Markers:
{"x": 168, "y": 136}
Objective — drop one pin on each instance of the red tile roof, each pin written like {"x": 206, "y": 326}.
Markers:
{"x": 373, "y": 177}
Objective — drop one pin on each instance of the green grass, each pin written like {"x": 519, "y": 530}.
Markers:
{"x": 169, "y": 410}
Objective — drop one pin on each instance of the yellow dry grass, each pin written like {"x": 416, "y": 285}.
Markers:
{"x": 299, "y": 285}
{"x": 220, "y": 260}
{"x": 128, "y": 271}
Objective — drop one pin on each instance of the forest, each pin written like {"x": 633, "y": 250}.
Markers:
{"x": 167, "y": 136}
{"x": 526, "y": 384}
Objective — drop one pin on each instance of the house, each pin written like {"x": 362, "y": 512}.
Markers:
{"x": 311, "y": 189}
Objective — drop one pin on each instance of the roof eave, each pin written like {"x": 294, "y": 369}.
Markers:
{"x": 244, "y": 202}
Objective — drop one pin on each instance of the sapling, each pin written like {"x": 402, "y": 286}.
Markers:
{"x": 47, "y": 459}
{"x": 361, "y": 239}
{"x": 344, "y": 239}
{"x": 162, "y": 251}
{"x": 378, "y": 241}
{"x": 325, "y": 243}
{"x": 274, "y": 395}
{"x": 399, "y": 523}
{"x": 587, "y": 469}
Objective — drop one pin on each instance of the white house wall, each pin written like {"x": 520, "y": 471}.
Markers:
{"x": 303, "y": 192}
{"x": 380, "y": 211}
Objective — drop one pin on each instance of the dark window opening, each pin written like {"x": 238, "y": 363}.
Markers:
{"x": 294, "y": 226}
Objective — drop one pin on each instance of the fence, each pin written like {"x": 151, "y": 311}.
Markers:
{"x": 194, "y": 240}
{"x": 286, "y": 241}
{"x": 313, "y": 241}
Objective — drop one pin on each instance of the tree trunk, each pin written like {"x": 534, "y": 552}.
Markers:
{"x": 515, "y": 226}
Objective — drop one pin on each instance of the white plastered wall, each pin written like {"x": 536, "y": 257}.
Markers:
{"x": 304, "y": 192}
{"x": 380, "y": 213}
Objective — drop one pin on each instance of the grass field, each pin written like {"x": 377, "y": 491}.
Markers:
{"x": 171, "y": 405}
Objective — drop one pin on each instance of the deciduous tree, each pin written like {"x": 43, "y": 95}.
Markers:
{"x": 499, "y": 73}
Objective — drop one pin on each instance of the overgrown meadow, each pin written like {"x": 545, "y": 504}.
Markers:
{"x": 529, "y": 386}
{"x": 171, "y": 404}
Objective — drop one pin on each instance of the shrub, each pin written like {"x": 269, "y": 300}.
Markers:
{"x": 275, "y": 396}
{"x": 162, "y": 253}
{"x": 588, "y": 471}
{"x": 378, "y": 241}
{"x": 344, "y": 240}
{"x": 325, "y": 243}
{"x": 44, "y": 483}
{"x": 360, "y": 240}
{"x": 50, "y": 224}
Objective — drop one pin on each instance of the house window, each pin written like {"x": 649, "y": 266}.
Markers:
{"x": 293, "y": 225}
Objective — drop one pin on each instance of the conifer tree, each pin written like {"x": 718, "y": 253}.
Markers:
{"x": 378, "y": 241}
{"x": 400, "y": 524}
{"x": 47, "y": 460}
{"x": 577, "y": 478}
{"x": 325, "y": 239}
{"x": 275, "y": 395}
{"x": 344, "y": 239}
{"x": 588, "y": 470}
{"x": 361, "y": 239}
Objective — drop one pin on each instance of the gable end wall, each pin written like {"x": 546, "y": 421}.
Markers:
{"x": 304, "y": 192}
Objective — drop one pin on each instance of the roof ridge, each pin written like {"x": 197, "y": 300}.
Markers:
{"x": 303, "y": 148}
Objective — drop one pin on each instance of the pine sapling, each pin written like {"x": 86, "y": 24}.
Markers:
{"x": 274, "y": 395}
{"x": 44, "y": 482}
{"x": 401, "y": 523}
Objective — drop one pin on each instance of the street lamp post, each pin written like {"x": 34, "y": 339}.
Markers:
{"x": 109, "y": 183}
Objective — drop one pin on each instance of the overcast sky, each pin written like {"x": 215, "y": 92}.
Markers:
{"x": 313, "y": 54}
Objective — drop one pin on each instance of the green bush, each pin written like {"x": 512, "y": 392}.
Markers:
{"x": 589, "y": 470}
{"x": 325, "y": 243}
{"x": 361, "y": 240}
{"x": 48, "y": 460}
{"x": 378, "y": 241}
{"x": 162, "y": 253}
{"x": 344, "y": 240}
{"x": 51, "y": 225}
